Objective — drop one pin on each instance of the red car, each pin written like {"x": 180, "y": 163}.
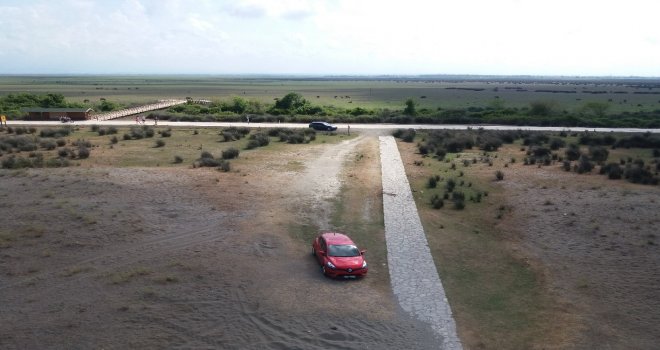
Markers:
{"x": 339, "y": 256}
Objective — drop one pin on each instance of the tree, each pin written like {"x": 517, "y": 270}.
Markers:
{"x": 410, "y": 107}
{"x": 239, "y": 105}
{"x": 291, "y": 102}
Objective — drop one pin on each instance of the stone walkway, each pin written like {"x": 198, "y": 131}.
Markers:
{"x": 413, "y": 275}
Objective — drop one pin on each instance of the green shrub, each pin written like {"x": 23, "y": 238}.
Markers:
{"x": 159, "y": 143}
{"x": 459, "y": 200}
{"x": 230, "y": 153}
{"x": 82, "y": 143}
{"x": 114, "y": 140}
{"x": 48, "y": 144}
{"x": 225, "y": 166}
{"x": 83, "y": 152}
{"x": 598, "y": 154}
{"x": 258, "y": 140}
{"x": 499, "y": 175}
{"x": 60, "y": 132}
{"x": 450, "y": 185}
{"x": 437, "y": 202}
{"x": 612, "y": 170}
{"x": 432, "y": 182}
{"x": 178, "y": 160}
{"x": 584, "y": 165}
{"x": 407, "y": 135}
{"x": 572, "y": 152}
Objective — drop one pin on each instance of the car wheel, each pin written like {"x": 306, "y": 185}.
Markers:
{"x": 313, "y": 252}
{"x": 323, "y": 270}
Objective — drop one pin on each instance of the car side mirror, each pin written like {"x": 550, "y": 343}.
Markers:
{"x": 363, "y": 251}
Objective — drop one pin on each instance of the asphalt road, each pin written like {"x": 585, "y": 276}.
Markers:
{"x": 341, "y": 127}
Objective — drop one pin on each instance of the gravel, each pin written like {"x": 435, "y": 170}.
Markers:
{"x": 413, "y": 275}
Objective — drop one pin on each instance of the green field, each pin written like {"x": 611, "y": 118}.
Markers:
{"x": 366, "y": 92}
{"x": 569, "y": 102}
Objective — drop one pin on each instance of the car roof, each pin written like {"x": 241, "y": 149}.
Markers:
{"x": 336, "y": 238}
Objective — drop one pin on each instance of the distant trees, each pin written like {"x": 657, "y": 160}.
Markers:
{"x": 12, "y": 104}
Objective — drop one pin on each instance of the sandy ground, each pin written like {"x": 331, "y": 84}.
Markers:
{"x": 187, "y": 258}
{"x": 596, "y": 241}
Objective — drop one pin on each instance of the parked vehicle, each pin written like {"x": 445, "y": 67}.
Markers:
{"x": 339, "y": 256}
{"x": 322, "y": 126}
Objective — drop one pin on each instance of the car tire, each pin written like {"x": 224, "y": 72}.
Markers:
{"x": 323, "y": 271}
{"x": 313, "y": 252}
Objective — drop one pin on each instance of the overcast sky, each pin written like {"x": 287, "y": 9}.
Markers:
{"x": 504, "y": 37}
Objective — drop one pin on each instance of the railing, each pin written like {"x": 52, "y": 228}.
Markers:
{"x": 136, "y": 110}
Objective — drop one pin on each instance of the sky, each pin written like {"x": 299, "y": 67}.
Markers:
{"x": 331, "y": 37}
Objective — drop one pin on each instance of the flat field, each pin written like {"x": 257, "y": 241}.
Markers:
{"x": 131, "y": 249}
{"x": 569, "y": 94}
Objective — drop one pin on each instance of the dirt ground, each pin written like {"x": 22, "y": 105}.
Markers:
{"x": 596, "y": 242}
{"x": 116, "y": 258}
{"x": 121, "y": 258}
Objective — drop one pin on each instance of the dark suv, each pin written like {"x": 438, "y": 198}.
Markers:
{"x": 322, "y": 126}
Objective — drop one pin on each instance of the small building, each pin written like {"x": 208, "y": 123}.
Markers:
{"x": 58, "y": 113}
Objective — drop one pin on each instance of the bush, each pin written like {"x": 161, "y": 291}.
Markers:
{"x": 64, "y": 152}
{"x": 258, "y": 140}
{"x": 450, "y": 185}
{"x": 437, "y": 202}
{"x": 230, "y": 153}
{"x": 584, "y": 165}
{"x": 598, "y": 154}
{"x": 82, "y": 143}
{"x": 459, "y": 200}
{"x": 60, "y": 142}
{"x": 612, "y": 170}
{"x": 432, "y": 182}
{"x": 572, "y": 152}
{"x": 165, "y": 133}
{"x": 407, "y": 135}
{"x": 48, "y": 144}
{"x": 178, "y": 160}
{"x": 499, "y": 175}
{"x": 159, "y": 143}
{"x": 114, "y": 140}
{"x": 225, "y": 166}
{"x": 60, "y": 132}
{"x": 83, "y": 152}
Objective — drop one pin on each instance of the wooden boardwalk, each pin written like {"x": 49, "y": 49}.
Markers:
{"x": 136, "y": 110}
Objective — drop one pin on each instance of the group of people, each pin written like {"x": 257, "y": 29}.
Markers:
{"x": 140, "y": 119}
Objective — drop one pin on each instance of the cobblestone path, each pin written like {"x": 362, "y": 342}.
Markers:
{"x": 413, "y": 275}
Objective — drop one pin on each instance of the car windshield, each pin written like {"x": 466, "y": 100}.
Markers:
{"x": 343, "y": 250}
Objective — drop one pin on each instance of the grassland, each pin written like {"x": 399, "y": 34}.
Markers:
{"x": 433, "y": 92}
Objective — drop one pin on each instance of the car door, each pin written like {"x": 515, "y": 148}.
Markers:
{"x": 323, "y": 250}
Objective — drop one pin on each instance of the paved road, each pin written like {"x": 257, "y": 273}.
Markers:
{"x": 413, "y": 275}
{"x": 342, "y": 127}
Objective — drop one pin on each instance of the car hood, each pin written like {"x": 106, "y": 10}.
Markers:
{"x": 352, "y": 262}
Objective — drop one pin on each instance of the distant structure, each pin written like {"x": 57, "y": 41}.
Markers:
{"x": 161, "y": 104}
{"x": 58, "y": 113}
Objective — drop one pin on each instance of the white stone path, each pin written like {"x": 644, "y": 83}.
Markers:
{"x": 413, "y": 275}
